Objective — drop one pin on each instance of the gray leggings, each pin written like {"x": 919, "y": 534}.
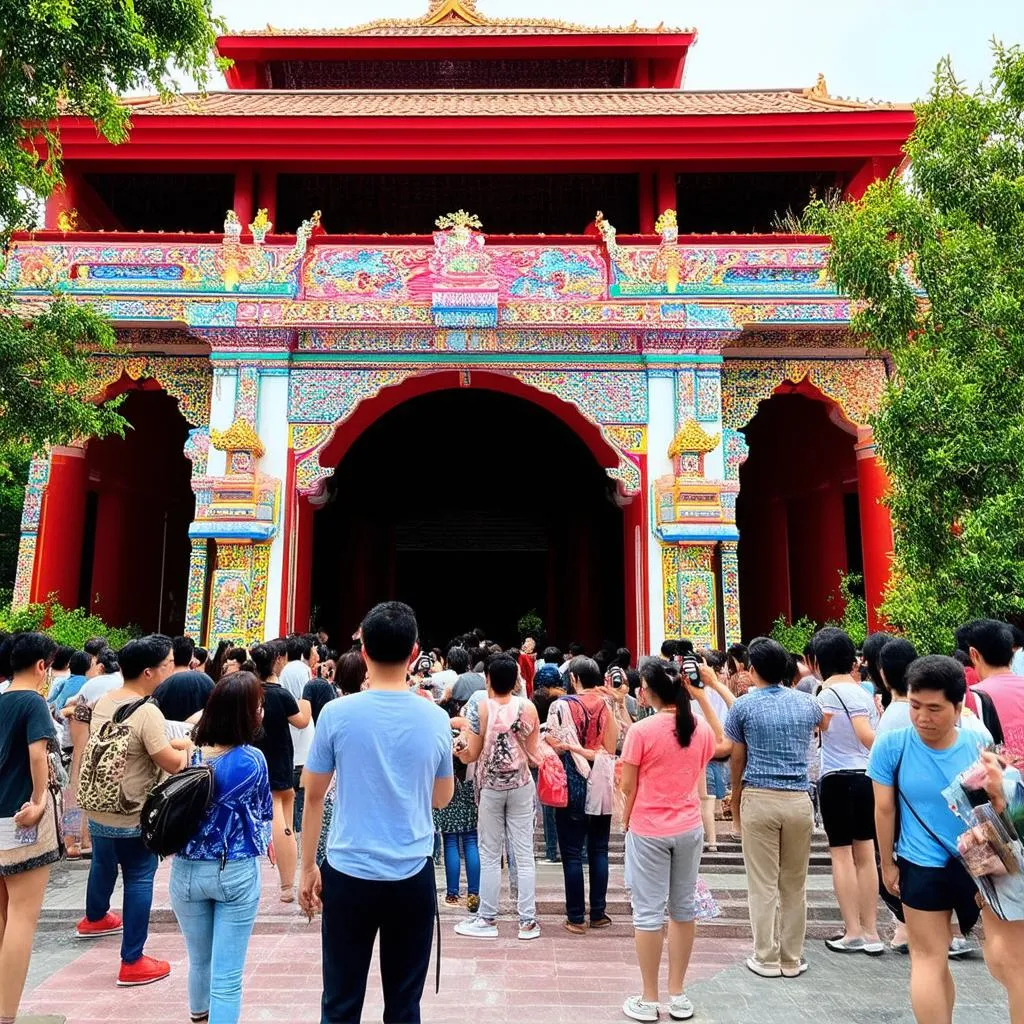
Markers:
{"x": 663, "y": 869}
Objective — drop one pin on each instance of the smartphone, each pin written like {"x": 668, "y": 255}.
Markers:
{"x": 692, "y": 669}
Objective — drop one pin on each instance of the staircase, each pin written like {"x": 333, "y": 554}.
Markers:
{"x": 723, "y": 872}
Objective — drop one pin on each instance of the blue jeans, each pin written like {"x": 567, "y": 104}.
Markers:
{"x": 575, "y": 830}
{"x": 138, "y": 866}
{"x": 550, "y": 833}
{"x": 216, "y": 909}
{"x": 453, "y": 862}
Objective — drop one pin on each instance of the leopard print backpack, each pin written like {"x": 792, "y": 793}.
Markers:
{"x": 104, "y": 761}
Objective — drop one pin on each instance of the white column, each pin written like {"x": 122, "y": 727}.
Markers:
{"x": 222, "y": 414}
{"x": 661, "y": 397}
{"x": 273, "y": 430}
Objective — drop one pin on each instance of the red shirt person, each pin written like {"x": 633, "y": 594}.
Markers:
{"x": 990, "y": 647}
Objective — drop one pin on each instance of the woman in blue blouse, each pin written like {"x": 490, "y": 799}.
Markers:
{"x": 215, "y": 880}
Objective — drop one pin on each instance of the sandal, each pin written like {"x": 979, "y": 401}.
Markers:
{"x": 287, "y": 893}
{"x": 601, "y": 922}
{"x": 575, "y": 929}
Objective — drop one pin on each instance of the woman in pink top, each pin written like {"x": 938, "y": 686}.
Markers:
{"x": 663, "y": 760}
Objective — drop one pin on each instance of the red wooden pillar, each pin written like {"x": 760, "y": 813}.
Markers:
{"x": 243, "y": 200}
{"x": 665, "y": 190}
{"x": 266, "y": 198}
{"x": 303, "y": 565}
{"x": 875, "y": 526}
{"x": 58, "y": 564}
{"x": 110, "y": 566}
{"x": 777, "y": 599}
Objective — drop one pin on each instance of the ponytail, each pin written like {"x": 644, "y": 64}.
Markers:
{"x": 662, "y": 679}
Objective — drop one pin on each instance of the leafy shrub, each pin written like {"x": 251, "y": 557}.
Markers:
{"x": 794, "y": 636}
{"x": 68, "y": 626}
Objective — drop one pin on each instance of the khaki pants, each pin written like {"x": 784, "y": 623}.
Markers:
{"x": 777, "y": 826}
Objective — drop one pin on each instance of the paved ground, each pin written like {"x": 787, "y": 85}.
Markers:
{"x": 559, "y": 979}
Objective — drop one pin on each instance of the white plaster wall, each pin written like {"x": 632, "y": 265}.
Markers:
{"x": 273, "y": 430}
{"x": 222, "y": 414}
{"x": 660, "y": 429}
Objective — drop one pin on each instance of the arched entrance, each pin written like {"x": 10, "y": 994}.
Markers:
{"x": 475, "y": 506}
{"x": 138, "y": 506}
{"x": 797, "y": 512}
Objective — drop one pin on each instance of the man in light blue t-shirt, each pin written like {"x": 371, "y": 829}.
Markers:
{"x": 392, "y": 753}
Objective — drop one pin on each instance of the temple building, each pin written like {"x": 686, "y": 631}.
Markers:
{"x": 490, "y": 315}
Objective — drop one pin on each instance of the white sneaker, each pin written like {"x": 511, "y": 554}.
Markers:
{"x": 762, "y": 970}
{"x": 794, "y": 970}
{"x": 959, "y": 948}
{"x": 638, "y": 1009}
{"x": 477, "y": 928}
{"x": 530, "y": 930}
{"x": 680, "y": 1007}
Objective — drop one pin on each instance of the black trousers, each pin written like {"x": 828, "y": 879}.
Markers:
{"x": 354, "y": 911}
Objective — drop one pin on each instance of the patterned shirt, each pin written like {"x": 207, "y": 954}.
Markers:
{"x": 236, "y": 825}
{"x": 775, "y": 723}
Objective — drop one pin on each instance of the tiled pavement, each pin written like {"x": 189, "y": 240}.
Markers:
{"x": 558, "y": 979}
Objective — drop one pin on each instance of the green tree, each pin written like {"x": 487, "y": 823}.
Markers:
{"x": 937, "y": 257}
{"x": 70, "y": 57}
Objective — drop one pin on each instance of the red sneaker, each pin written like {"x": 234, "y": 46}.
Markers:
{"x": 109, "y": 924}
{"x": 144, "y": 971}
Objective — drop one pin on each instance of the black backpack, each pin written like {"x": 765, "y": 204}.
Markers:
{"x": 988, "y": 715}
{"x": 174, "y": 810}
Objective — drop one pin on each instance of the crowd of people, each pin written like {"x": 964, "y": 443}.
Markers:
{"x": 299, "y": 741}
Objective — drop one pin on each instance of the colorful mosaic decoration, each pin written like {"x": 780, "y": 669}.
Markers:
{"x": 460, "y": 282}
{"x": 238, "y": 593}
{"x": 730, "y": 591}
{"x": 247, "y": 394}
{"x": 690, "y": 601}
{"x": 855, "y": 385}
{"x": 708, "y": 404}
{"x": 330, "y": 395}
{"x": 736, "y": 451}
{"x": 23, "y": 574}
{"x": 189, "y": 379}
{"x": 628, "y": 439}
{"x": 31, "y": 510}
{"x": 196, "y": 588}
{"x": 602, "y": 396}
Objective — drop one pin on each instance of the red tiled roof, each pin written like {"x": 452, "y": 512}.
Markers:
{"x": 507, "y": 103}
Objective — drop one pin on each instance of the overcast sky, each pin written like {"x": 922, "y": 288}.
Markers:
{"x": 881, "y": 49}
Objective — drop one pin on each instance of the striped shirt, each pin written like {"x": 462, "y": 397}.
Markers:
{"x": 775, "y": 724}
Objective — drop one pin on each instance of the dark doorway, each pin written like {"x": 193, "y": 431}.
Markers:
{"x": 136, "y": 547}
{"x": 474, "y": 507}
{"x": 796, "y": 513}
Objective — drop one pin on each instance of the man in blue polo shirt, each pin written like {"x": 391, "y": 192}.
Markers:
{"x": 392, "y": 752}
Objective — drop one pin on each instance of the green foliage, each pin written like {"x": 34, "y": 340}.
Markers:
{"x": 43, "y": 365}
{"x": 77, "y": 57}
{"x": 855, "y": 610}
{"x": 794, "y": 636}
{"x": 950, "y": 429}
{"x": 69, "y": 626}
{"x": 531, "y": 624}
{"x": 64, "y": 57}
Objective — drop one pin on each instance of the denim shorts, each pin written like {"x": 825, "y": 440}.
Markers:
{"x": 717, "y": 774}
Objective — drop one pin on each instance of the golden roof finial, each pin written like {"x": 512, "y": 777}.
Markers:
{"x": 692, "y": 438}
{"x": 820, "y": 87}
{"x": 239, "y": 437}
{"x": 454, "y": 11}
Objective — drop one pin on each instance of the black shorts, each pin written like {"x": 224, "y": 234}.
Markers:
{"x": 847, "y": 801}
{"x": 939, "y": 889}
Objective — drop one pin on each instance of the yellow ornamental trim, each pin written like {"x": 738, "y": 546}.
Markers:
{"x": 239, "y": 437}
{"x": 692, "y": 438}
